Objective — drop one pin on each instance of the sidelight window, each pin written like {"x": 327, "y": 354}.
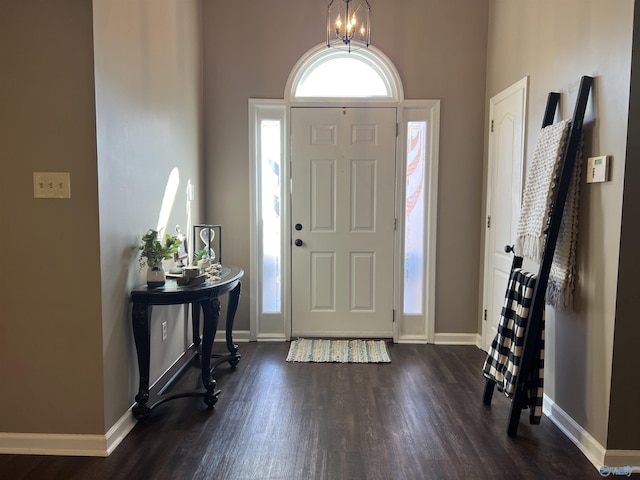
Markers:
{"x": 417, "y": 217}
{"x": 270, "y": 153}
{"x": 268, "y": 203}
{"x": 414, "y": 217}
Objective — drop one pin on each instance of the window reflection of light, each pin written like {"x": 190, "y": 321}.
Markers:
{"x": 167, "y": 201}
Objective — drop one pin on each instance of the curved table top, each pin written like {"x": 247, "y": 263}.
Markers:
{"x": 171, "y": 293}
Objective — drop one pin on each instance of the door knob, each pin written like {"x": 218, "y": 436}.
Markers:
{"x": 298, "y": 242}
{"x": 298, "y": 227}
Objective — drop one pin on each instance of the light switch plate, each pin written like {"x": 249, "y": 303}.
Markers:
{"x": 51, "y": 185}
{"x": 598, "y": 169}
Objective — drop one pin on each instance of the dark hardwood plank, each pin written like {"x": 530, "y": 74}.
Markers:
{"x": 419, "y": 417}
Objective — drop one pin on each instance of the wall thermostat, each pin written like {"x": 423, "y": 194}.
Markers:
{"x": 598, "y": 169}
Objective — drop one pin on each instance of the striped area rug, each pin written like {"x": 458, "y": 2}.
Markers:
{"x": 339, "y": 351}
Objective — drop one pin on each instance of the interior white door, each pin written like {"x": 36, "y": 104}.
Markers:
{"x": 504, "y": 194}
{"x": 342, "y": 214}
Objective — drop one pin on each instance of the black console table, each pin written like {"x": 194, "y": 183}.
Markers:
{"x": 201, "y": 297}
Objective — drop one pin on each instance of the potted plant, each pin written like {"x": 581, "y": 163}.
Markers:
{"x": 152, "y": 252}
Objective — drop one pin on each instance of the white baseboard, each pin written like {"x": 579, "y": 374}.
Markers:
{"x": 622, "y": 458}
{"x": 589, "y": 446}
{"x": 241, "y": 336}
{"x": 457, "y": 339}
{"x": 83, "y": 445}
{"x": 120, "y": 430}
{"x": 418, "y": 339}
{"x": 271, "y": 337}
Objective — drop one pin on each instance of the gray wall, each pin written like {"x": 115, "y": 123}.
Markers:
{"x": 439, "y": 49}
{"x": 149, "y": 115}
{"x": 50, "y": 319}
{"x": 67, "y": 361}
{"x": 555, "y": 43}
{"x": 625, "y": 389}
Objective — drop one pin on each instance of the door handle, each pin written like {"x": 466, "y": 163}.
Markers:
{"x": 298, "y": 242}
{"x": 298, "y": 227}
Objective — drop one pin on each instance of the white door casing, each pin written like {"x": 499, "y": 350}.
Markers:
{"x": 507, "y": 113}
{"x": 342, "y": 197}
{"x": 269, "y": 324}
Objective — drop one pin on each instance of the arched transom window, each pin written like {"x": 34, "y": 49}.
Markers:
{"x": 333, "y": 73}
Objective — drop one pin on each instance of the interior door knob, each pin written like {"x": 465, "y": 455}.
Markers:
{"x": 298, "y": 227}
{"x": 298, "y": 242}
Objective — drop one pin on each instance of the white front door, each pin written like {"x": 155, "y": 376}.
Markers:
{"x": 342, "y": 216}
{"x": 504, "y": 195}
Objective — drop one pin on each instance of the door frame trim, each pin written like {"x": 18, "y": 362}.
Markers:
{"x": 406, "y": 329}
{"x": 394, "y": 237}
{"x": 418, "y": 328}
{"x": 520, "y": 85}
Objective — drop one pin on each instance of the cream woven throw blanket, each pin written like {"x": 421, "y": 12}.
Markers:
{"x": 536, "y": 206}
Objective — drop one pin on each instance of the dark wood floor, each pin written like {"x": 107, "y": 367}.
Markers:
{"x": 420, "y": 417}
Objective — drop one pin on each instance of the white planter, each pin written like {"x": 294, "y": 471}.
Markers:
{"x": 155, "y": 276}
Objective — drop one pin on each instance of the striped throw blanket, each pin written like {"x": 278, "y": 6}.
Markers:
{"x": 502, "y": 364}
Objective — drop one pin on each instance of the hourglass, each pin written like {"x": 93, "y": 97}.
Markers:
{"x": 210, "y": 237}
{"x": 207, "y": 235}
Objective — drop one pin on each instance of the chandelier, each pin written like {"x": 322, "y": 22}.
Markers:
{"x": 348, "y": 23}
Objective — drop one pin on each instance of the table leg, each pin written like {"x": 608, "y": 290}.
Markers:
{"x": 211, "y": 311}
{"x": 234, "y": 297}
{"x": 140, "y": 318}
{"x": 195, "y": 323}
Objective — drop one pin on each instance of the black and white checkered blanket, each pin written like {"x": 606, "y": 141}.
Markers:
{"x": 503, "y": 360}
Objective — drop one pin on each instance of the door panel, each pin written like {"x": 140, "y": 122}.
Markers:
{"x": 343, "y": 180}
{"x": 323, "y": 282}
{"x": 363, "y": 195}
{"x": 362, "y": 282}
{"x": 323, "y": 195}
